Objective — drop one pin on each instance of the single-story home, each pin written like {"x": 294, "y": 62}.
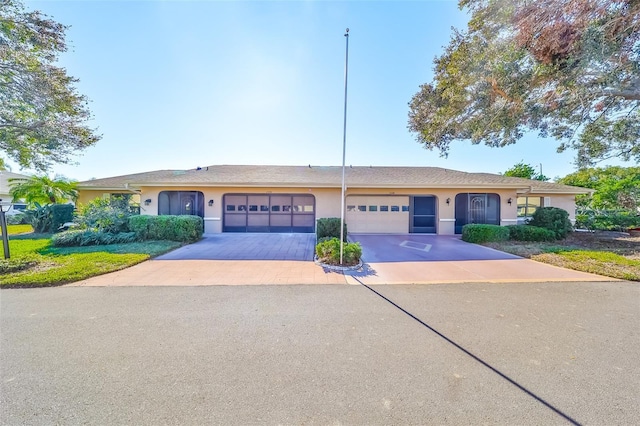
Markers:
{"x": 378, "y": 199}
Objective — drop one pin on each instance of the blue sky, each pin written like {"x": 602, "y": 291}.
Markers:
{"x": 181, "y": 84}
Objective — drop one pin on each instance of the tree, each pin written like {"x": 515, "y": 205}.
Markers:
{"x": 526, "y": 171}
{"x": 568, "y": 69}
{"x": 43, "y": 190}
{"x": 42, "y": 116}
{"x": 616, "y": 187}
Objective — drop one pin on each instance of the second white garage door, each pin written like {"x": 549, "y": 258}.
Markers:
{"x": 383, "y": 214}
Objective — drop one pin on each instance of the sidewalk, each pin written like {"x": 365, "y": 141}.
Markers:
{"x": 279, "y": 272}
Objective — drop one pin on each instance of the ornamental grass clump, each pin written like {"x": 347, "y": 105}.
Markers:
{"x": 328, "y": 252}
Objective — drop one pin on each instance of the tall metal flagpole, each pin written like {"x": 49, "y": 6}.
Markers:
{"x": 344, "y": 145}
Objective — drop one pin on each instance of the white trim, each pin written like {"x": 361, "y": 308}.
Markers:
{"x": 212, "y": 219}
{"x": 509, "y": 220}
{"x": 447, "y": 220}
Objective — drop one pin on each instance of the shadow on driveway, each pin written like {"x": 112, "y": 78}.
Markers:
{"x": 377, "y": 248}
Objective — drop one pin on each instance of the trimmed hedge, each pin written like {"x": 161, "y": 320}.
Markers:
{"x": 61, "y": 214}
{"x": 480, "y": 233}
{"x": 329, "y": 227}
{"x": 185, "y": 228}
{"x": 530, "y": 233}
{"x": 90, "y": 237}
{"x": 328, "y": 252}
{"x": 553, "y": 219}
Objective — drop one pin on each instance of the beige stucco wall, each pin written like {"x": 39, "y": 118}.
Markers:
{"x": 328, "y": 201}
{"x": 563, "y": 201}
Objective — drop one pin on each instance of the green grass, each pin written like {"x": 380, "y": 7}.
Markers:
{"x": 586, "y": 252}
{"x": 596, "y": 262}
{"x": 34, "y": 263}
{"x": 18, "y": 229}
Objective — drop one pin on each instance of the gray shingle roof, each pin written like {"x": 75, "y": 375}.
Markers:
{"x": 324, "y": 176}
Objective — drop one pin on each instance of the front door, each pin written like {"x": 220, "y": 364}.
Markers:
{"x": 422, "y": 213}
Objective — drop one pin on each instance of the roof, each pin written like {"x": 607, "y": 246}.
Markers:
{"x": 4, "y": 181}
{"x": 325, "y": 177}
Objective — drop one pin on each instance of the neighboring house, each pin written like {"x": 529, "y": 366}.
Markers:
{"x": 378, "y": 199}
{"x": 4, "y": 190}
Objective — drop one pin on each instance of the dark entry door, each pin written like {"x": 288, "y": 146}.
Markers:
{"x": 422, "y": 211}
{"x": 476, "y": 208}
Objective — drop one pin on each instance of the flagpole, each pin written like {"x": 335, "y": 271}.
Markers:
{"x": 344, "y": 145}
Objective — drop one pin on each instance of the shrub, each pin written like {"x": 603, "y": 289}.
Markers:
{"x": 40, "y": 218}
{"x": 104, "y": 216}
{"x": 607, "y": 220}
{"x": 16, "y": 219}
{"x": 553, "y": 219}
{"x": 479, "y": 233}
{"x": 328, "y": 252}
{"x": 91, "y": 237}
{"x": 330, "y": 227}
{"x": 61, "y": 214}
{"x": 185, "y": 228}
{"x": 530, "y": 233}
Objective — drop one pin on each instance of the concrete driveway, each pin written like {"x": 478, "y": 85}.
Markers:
{"x": 249, "y": 246}
{"x": 426, "y": 259}
{"x": 378, "y": 248}
{"x": 257, "y": 259}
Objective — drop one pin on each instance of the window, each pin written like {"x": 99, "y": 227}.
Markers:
{"x": 373, "y": 208}
{"x": 362, "y": 208}
{"x": 253, "y": 208}
{"x": 527, "y": 206}
{"x": 181, "y": 203}
{"x": 351, "y": 208}
{"x": 275, "y": 208}
{"x": 395, "y": 208}
{"x": 231, "y": 208}
{"x": 264, "y": 208}
{"x": 242, "y": 208}
{"x": 405, "y": 208}
{"x": 384, "y": 208}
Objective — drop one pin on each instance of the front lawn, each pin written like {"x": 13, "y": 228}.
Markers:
{"x": 34, "y": 263}
{"x": 604, "y": 254}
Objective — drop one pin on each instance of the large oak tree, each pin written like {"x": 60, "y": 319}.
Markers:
{"x": 568, "y": 69}
{"x": 43, "y": 118}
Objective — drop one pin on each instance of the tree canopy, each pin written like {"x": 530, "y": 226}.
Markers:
{"x": 42, "y": 116}
{"x": 568, "y": 69}
{"x": 526, "y": 171}
{"x": 43, "y": 189}
{"x": 616, "y": 187}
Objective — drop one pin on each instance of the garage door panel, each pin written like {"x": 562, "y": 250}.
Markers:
{"x": 377, "y": 214}
{"x": 269, "y": 213}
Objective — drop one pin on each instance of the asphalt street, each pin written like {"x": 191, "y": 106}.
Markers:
{"x": 526, "y": 353}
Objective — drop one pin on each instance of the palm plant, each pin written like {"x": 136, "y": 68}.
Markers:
{"x": 43, "y": 189}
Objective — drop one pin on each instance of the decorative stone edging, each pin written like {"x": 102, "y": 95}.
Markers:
{"x": 337, "y": 267}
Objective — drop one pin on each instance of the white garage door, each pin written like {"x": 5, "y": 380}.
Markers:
{"x": 382, "y": 214}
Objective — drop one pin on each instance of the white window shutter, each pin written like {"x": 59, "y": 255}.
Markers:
{"x": 547, "y": 202}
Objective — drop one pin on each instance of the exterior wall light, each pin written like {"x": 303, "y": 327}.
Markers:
{"x": 448, "y": 201}
{"x": 509, "y": 201}
{"x": 210, "y": 203}
{"x": 147, "y": 201}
